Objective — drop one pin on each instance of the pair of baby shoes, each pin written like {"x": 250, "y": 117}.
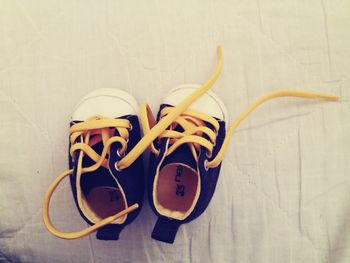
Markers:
{"x": 109, "y": 132}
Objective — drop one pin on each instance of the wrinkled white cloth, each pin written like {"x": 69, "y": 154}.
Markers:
{"x": 283, "y": 193}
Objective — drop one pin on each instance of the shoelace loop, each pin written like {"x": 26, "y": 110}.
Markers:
{"x": 194, "y": 132}
{"x": 95, "y": 130}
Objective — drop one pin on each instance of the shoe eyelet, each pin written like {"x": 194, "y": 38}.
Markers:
{"x": 121, "y": 155}
{"x": 130, "y": 127}
{"x": 116, "y": 167}
{"x": 209, "y": 155}
{"x": 206, "y": 165}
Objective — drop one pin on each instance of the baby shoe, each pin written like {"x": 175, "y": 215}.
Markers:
{"x": 180, "y": 184}
{"x": 188, "y": 151}
{"x": 104, "y": 128}
{"x": 187, "y": 141}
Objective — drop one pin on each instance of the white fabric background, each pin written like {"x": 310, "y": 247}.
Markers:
{"x": 283, "y": 194}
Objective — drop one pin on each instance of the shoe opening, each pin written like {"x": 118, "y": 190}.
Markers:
{"x": 101, "y": 196}
{"x": 177, "y": 190}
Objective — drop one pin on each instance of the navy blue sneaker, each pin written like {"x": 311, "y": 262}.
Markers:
{"x": 180, "y": 185}
{"x": 186, "y": 157}
{"x": 104, "y": 128}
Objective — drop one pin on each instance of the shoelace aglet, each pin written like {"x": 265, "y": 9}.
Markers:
{"x": 305, "y": 94}
{"x": 328, "y": 97}
{"x": 219, "y": 51}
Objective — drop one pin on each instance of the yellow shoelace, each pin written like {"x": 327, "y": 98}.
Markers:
{"x": 192, "y": 123}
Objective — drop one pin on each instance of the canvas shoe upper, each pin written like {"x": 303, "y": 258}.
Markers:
{"x": 103, "y": 129}
{"x": 180, "y": 185}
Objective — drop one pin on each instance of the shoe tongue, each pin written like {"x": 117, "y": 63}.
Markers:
{"x": 181, "y": 155}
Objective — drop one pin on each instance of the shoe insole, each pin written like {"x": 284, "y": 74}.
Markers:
{"x": 105, "y": 201}
{"x": 176, "y": 187}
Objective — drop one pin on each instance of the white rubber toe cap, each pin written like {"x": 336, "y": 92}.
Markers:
{"x": 209, "y": 103}
{"x": 112, "y": 103}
